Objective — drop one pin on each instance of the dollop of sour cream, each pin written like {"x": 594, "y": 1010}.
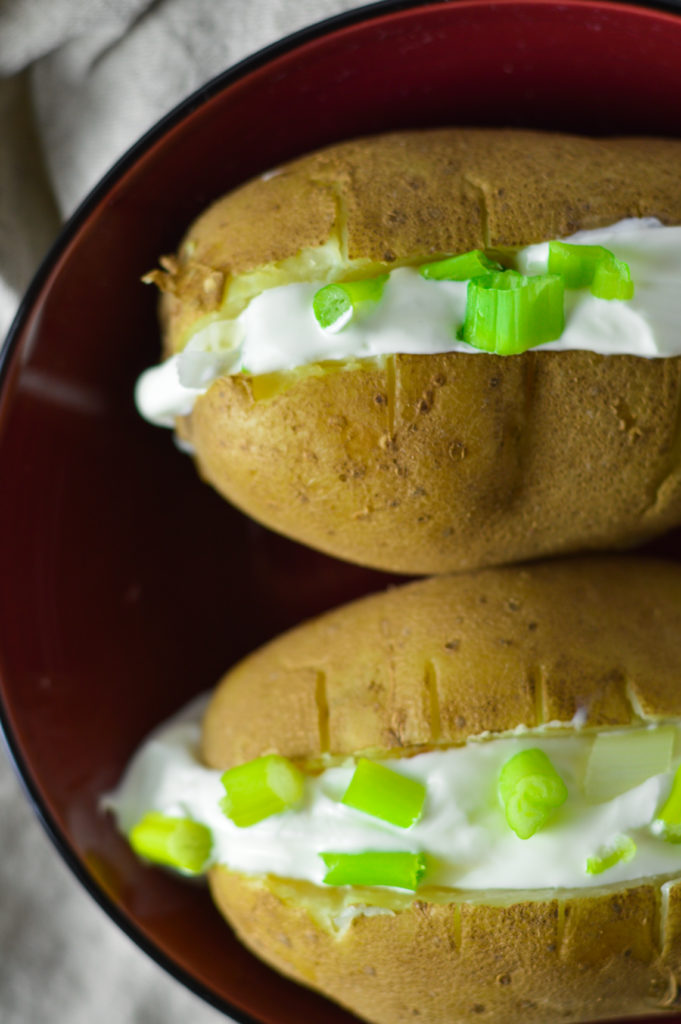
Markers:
{"x": 462, "y": 829}
{"x": 278, "y": 331}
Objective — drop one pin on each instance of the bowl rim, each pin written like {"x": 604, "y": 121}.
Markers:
{"x": 70, "y": 228}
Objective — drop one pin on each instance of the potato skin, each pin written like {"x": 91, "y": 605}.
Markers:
{"x": 437, "y": 661}
{"x": 427, "y": 665}
{"x": 533, "y": 958}
{"x": 438, "y": 463}
{"x": 410, "y": 196}
{"x": 448, "y": 462}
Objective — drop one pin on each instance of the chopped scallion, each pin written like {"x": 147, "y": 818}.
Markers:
{"x": 459, "y": 268}
{"x": 668, "y": 821}
{"x": 576, "y": 263}
{"x": 385, "y": 794}
{"x": 621, "y": 850}
{"x": 530, "y": 789}
{"x": 260, "y": 788}
{"x": 591, "y": 266}
{"x": 508, "y": 313}
{"x": 335, "y": 305}
{"x": 176, "y": 842}
{"x": 399, "y": 870}
{"x": 619, "y": 761}
{"x": 612, "y": 280}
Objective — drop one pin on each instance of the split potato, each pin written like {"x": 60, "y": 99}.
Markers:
{"x": 432, "y": 463}
{"x": 429, "y": 666}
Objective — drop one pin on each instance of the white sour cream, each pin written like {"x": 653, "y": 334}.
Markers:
{"x": 278, "y": 331}
{"x": 462, "y": 830}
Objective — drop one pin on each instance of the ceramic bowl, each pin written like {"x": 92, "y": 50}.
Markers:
{"x": 126, "y": 585}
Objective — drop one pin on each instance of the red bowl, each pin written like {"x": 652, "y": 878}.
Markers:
{"x": 127, "y": 586}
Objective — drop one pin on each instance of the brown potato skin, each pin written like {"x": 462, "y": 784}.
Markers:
{"x": 411, "y": 196}
{"x": 435, "y": 662}
{"x": 428, "y": 665}
{"x": 439, "y": 463}
{"x": 455, "y": 461}
{"x": 539, "y": 958}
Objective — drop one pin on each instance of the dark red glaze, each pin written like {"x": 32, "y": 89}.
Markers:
{"x": 126, "y": 585}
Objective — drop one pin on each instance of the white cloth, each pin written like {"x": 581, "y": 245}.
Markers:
{"x": 80, "y": 80}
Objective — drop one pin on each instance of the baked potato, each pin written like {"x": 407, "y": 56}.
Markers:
{"x": 535, "y": 711}
{"x": 430, "y": 463}
{"x": 592, "y": 646}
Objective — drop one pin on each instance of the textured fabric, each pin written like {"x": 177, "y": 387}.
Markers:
{"x": 80, "y": 80}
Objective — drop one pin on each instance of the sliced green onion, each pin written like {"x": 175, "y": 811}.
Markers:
{"x": 399, "y": 870}
{"x": 176, "y": 842}
{"x": 591, "y": 266}
{"x": 668, "y": 820}
{"x": 459, "y": 268}
{"x": 508, "y": 313}
{"x": 621, "y": 850}
{"x": 260, "y": 788}
{"x": 335, "y": 305}
{"x": 576, "y": 263}
{"x": 619, "y": 761}
{"x": 385, "y": 794}
{"x": 530, "y": 789}
{"x": 612, "y": 280}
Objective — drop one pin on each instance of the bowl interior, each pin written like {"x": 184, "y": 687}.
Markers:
{"x": 126, "y": 585}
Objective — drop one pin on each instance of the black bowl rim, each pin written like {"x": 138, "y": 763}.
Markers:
{"x": 212, "y": 87}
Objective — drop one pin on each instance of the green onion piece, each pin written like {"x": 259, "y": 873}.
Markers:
{"x": 619, "y": 761}
{"x": 530, "y": 788}
{"x": 459, "y": 268}
{"x": 612, "y": 280}
{"x": 176, "y": 842}
{"x": 507, "y": 313}
{"x": 669, "y": 817}
{"x": 623, "y": 848}
{"x": 399, "y": 870}
{"x": 385, "y": 794}
{"x": 260, "y": 788}
{"x": 335, "y": 305}
{"x": 591, "y": 266}
{"x": 576, "y": 263}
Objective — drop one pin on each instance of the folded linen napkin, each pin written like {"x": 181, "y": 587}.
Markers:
{"x": 80, "y": 80}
